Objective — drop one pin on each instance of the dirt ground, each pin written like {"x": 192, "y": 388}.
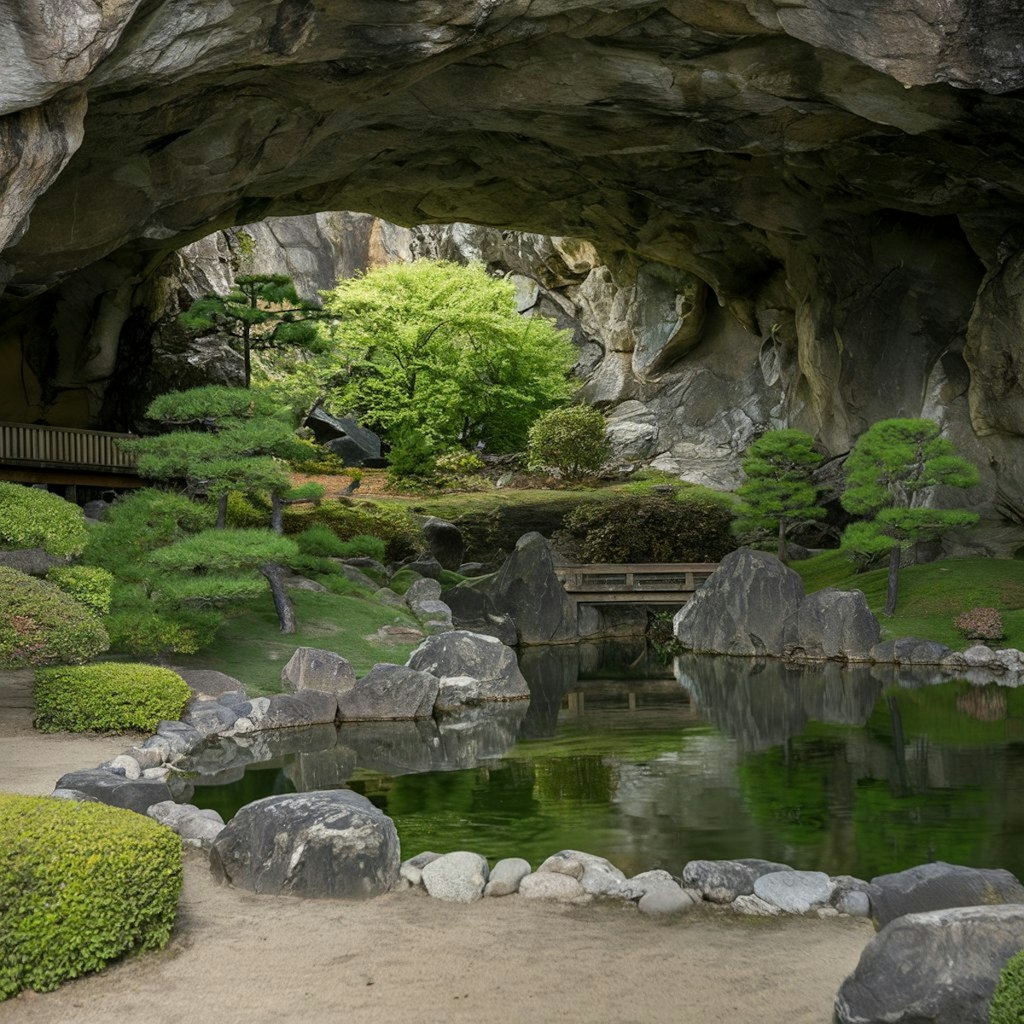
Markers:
{"x": 407, "y": 959}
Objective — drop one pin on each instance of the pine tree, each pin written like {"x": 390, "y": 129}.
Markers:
{"x": 888, "y": 474}
{"x": 778, "y": 491}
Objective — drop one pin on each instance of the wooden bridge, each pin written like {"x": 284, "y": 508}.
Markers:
{"x": 34, "y": 454}
{"x": 653, "y": 584}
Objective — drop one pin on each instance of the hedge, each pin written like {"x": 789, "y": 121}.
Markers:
{"x": 81, "y": 884}
{"x": 31, "y": 518}
{"x": 87, "y": 584}
{"x": 1007, "y": 1005}
{"x": 107, "y": 697}
{"x": 41, "y": 625}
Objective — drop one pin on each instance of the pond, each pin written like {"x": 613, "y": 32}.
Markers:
{"x": 849, "y": 771}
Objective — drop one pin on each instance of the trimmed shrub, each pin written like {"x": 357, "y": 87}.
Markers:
{"x": 401, "y": 534}
{"x": 81, "y": 884}
{"x": 403, "y": 580}
{"x": 87, "y": 584}
{"x": 108, "y": 697}
{"x": 31, "y": 518}
{"x": 1007, "y": 1006}
{"x": 41, "y": 625}
{"x": 572, "y": 440}
{"x": 321, "y": 541}
{"x": 980, "y": 624}
{"x": 459, "y": 462}
{"x": 141, "y": 631}
{"x": 649, "y": 529}
{"x": 411, "y": 455}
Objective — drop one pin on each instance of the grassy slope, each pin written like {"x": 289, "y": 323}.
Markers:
{"x": 932, "y": 595}
{"x": 250, "y": 647}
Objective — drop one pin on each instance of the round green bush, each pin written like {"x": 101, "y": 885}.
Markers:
{"x": 87, "y": 584}
{"x": 107, "y": 697}
{"x": 572, "y": 440}
{"x": 41, "y": 625}
{"x": 31, "y": 518}
{"x": 81, "y": 884}
{"x": 1007, "y": 1005}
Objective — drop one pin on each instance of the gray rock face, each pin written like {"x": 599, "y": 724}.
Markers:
{"x": 483, "y": 658}
{"x": 421, "y": 590}
{"x": 939, "y": 886}
{"x": 527, "y": 589}
{"x": 196, "y": 827}
{"x": 506, "y": 875}
{"x": 289, "y": 710}
{"x": 560, "y": 864}
{"x": 116, "y": 790}
{"x": 312, "y": 669}
{"x": 411, "y": 870}
{"x": 932, "y": 968}
{"x": 31, "y": 561}
{"x": 741, "y": 608}
{"x": 426, "y": 565}
{"x": 331, "y": 843}
{"x": 473, "y": 610}
{"x": 208, "y": 717}
{"x": 600, "y": 877}
{"x": 208, "y": 682}
{"x": 794, "y": 892}
{"x": 456, "y": 877}
{"x": 909, "y": 650}
{"x": 548, "y": 885}
{"x": 832, "y": 624}
{"x": 179, "y": 738}
{"x": 445, "y": 541}
{"x": 389, "y": 692}
{"x": 664, "y": 901}
{"x": 721, "y": 881}
{"x": 343, "y": 436}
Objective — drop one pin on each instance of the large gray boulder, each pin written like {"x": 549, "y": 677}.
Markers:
{"x": 108, "y": 787}
{"x": 456, "y": 877}
{"x": 795, "y": 892}
{"x": 343, "y": 436}
{"x": 832, "y": 624}
{"x": 328, "y": 843}
{"x": 473, "y": 609}
{"x": 289, "y": 710}
{"x": 196, "y": 827}
{"x": 445, "y": 541}
{"x": 741, "y": 608}
{"x": 389, "y": 692}
{"x": 939, "y": 886}
{"x": 933, "y": 968}
{"x": 310, "y": 668}
{"x": 527, "y": 588}
{"x": 721, "y": 881}
{"x": 459, "y": 654}
{"x": 910, "y": 650}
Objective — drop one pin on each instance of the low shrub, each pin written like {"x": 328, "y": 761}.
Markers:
{"x": 392, "y": 524}
{"x": 364, "y": 546}
{"x": 572, "y": 440}
{"x": 980, "y": 624}
{"x": 107, "y": 697}
{"x": 1007, "y": 1006}
{"x": 87, "y": 584}
{"x": 40, "y": 624}
{"x": 403, "y": 580}
{"x": 411, "y": 455}
{"x": 142, "y": 631}
{"x": 648, "y": 529}
{"x": 320, "y": 540}
{"x": 32, "y": 518}
{"x": 459, "y": 463}
{"x": 81, "y": 884}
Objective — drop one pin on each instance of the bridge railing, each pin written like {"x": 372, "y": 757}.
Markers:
{"x": 31, "y": 445}
{"x": 635, "y": 579}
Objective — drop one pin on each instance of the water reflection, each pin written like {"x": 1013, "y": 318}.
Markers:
{"x": 843, "y": 770}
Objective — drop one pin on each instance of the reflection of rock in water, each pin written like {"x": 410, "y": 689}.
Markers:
{"x": 225, "y": 758}
{"x": 551, "y": 672}
{"x": 762, "y": 703}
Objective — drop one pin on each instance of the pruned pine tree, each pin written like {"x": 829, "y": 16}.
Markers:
{"x": 779, "y": 491}
{"x": 889, "y": 474}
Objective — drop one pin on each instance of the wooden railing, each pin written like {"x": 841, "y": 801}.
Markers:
{"x": 29, "y": 445}
{"x": 670, "y": 583}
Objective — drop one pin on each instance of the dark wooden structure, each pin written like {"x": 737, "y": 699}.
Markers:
{"x": 669, "y": 584}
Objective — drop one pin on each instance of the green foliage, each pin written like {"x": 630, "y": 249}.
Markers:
{"x": 412, "y": 455}
{"x": 32, "y": 518}
{"x": 391, "y": 523}
{"x": 245, "y": 511}
{"x": 778, "y": 491}
{"x": 319, "y": 539}
{"x": 107, "y": 697}
{"x": 572, "y": 440}
{"x": 141, "y": 630}
{"x": 442, "y": 348}
{"x": 648, "y": 529}
{"x": 87, "y": 584}
{"x": 1007, "y": 1006}
{"x": 403, "y": 580}
{"x": 459, "y": 462}
{"x": 212, "y": 403}
{"x": 81, "y": 884}
{"x": 40, "y": 624}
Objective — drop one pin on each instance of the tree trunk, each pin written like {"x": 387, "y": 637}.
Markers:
{"x": 222, "y": 511}
{"x": 895, "y": 556}
{"x": 276, "y": 513}
{"x": 282, "y": 602}
{"x": 782, "y": 539}
{"x": 246, "y": 354}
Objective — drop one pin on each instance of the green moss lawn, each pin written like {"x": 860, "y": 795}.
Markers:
{"x": 931, "y": 595}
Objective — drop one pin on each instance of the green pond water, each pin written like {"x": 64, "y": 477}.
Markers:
{"x": 859, "y": 771}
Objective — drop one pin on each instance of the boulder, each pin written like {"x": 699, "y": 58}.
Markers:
{"x": 640, "y": 885}
{"x": 795, "y": 892}
{"x": 328, "y": 843}
{"x": 445, "y": 542}
{"x": 832, "y": 624}
{"x": 289, "y": 710}
{"x": 432, "y": 612}
{"x": 527, "y": 588}
{"x": 473, "y": 610}
{"x": 96, "y": 510}
{"x": 664, "y": 901}
{"x": 548, "y": 885}
{"x": 456, "y": 877}
{"x": 196, "y": 827}
{"x": 107, "y": 787}
{"x": 210, "y": 717}
{"x": 939, "y": 967}
{"x": 426, "y": 565}
{"x": 939, "y": 886}
{"x": 560, "y": 864}
{"x": 852, "y": 895}
{"x": 741, "y": 608}
{"x": 31, "y": 561}
{"x": 421, "y": 590}
{"x": 179, "y": 738}
{"x": 389, "y": 692}
{"x": 506, "y": 875}
{"x": 411, "y": 870}
{"x": 483, "y": 658}
{"x": 387, "y": 596}
{"x": 312, "y": 669}
{"x": 721, "y": 881}
{"x": 600, "y": 877}
{"x": 910, "y": 650}
{"x": 343, "y": 436}
{"x": 754, "y": 906}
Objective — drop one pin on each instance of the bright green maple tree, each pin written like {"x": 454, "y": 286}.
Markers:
{"x": 441, "y": 348}
{"x": 889, "y": 473}
{"x": 779, "y": 490}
